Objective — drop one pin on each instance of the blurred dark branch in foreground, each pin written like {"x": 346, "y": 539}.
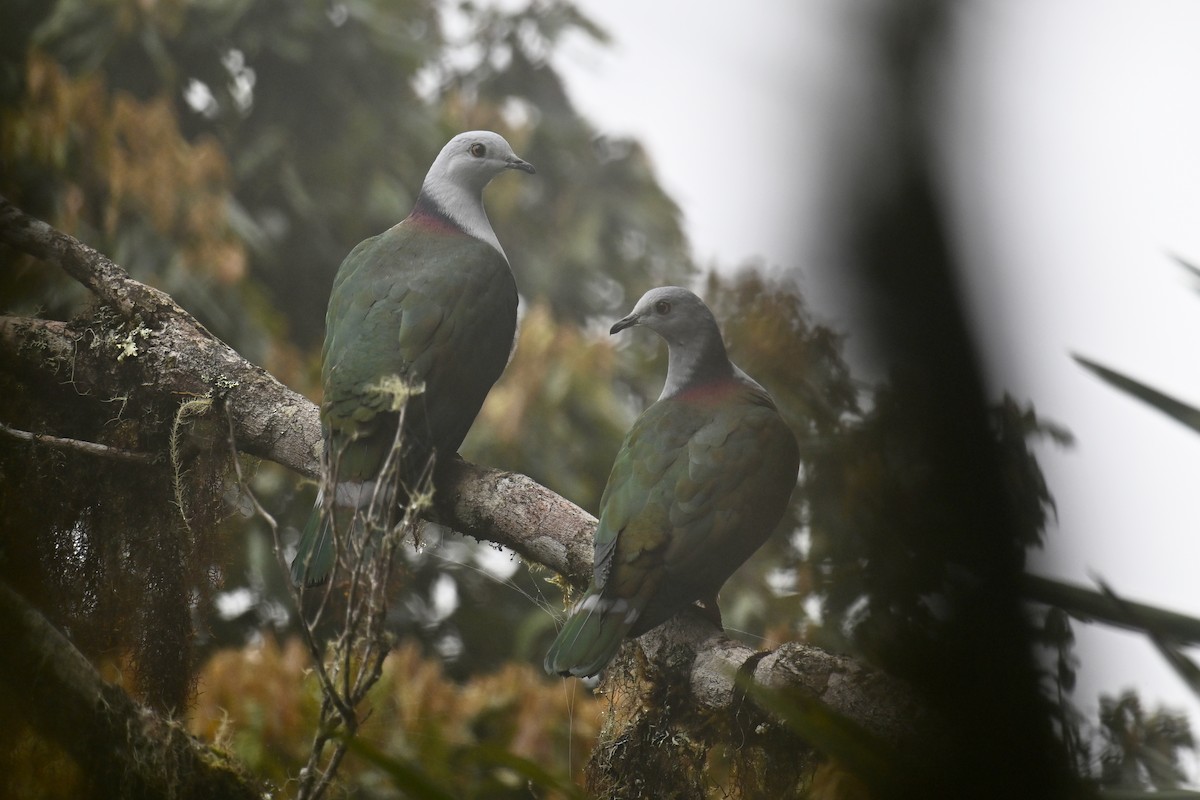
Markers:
{"x": 153, "y": 346}
{"x": 129, "y": 750}
{"x": 975, "y": 665}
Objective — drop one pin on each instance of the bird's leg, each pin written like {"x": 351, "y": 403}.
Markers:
{"x": 707, "y": 606}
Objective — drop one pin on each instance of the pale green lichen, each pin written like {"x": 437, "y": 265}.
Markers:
{"x": 127, "y": 347}
{"x": 394, "y": 391}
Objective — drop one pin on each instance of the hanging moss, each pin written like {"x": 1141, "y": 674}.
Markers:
{"x": 114, "y": 551}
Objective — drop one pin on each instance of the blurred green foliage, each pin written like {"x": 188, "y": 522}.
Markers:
{"x": 1140, "y": 750}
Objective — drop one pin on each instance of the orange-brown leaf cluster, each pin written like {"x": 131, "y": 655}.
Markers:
{"x": 127, "y": 158}
{"x": 260, "y": 703}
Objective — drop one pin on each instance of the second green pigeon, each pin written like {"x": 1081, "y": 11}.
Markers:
{"x": 702, "y": 479}
{"x": 429, "y": 303}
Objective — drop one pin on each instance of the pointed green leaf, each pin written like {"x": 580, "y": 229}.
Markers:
{"x": 1176, "y": 409}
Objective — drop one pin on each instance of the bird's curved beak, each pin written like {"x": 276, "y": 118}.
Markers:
{"x": 623, "y": 323}
{"x": 516, "y": 163}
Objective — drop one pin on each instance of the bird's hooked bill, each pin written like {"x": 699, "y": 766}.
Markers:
{"x": 623, "y": 323}
{"x": 516, "y": 163}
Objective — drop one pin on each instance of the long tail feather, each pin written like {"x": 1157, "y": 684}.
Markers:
{"x": 591, "y": 637}
{"x": 314, "y": 555}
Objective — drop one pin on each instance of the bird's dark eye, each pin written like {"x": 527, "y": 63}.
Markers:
{"x": 662, "y": 307}
{"x": 478, "y": 150}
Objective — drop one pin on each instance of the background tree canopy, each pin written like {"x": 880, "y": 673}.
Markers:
{"x": 231, "y": 152}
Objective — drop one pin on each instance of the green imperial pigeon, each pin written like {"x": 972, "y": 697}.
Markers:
{"x": 432, "y": 302}
{"x": 700, "y": 482}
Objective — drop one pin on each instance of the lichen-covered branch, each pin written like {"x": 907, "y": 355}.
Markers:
{"x": 178, "y": 357}
{"x": 690, "y": 647}
{"x": 173, "y": 349}
{"x": 515, "y": 511}
{"x": 128, "y": 749}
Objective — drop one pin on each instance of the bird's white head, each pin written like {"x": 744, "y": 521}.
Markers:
{"x": 470, "y": 160}
{"x": 696, "y": 352}
{"x": 454, "y": 184}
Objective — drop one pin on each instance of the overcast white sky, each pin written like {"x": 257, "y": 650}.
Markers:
{"x": 1075, "y": 172}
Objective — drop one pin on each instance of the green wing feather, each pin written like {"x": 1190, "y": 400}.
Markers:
{"x": 432, "y": 308}
{"x": 697, "y": 487}
{"x": 435, "y": 308}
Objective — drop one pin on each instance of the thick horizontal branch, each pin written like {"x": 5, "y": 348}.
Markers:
{"x": 128, "y": 749}
{"x": 181, "y": 359}
{"x": 515, "y": 511}
{"x": 177, "y": 361}
{"x": 690, "y": 647}
{"x": 277, "y": 424}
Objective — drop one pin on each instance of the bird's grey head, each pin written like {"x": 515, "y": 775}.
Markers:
{"x": 674, "y": 313}
{"x": 470, "y": 161}
{"x": 696, "y": 353}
